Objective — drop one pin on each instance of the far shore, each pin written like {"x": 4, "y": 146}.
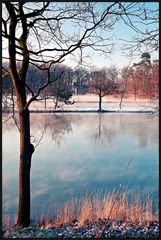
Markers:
{"x": 88, "y": 103}
{"x": 84, "y": 111}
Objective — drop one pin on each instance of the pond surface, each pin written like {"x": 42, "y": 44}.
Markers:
{"x": 79, "y": 154}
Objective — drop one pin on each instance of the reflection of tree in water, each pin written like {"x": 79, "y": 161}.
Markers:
{"x": 136, "y": 127}
{"x": 140, "y": 127}
{"x": 9, "y": 121}
{"x": 57, "y": 125}
{"x": 143, "y": 136}
{"x": 102, "y": 128}
{"x": 109, "y": 129}
{"x": 102, "y": 133}
{"x": 62, "y": 126}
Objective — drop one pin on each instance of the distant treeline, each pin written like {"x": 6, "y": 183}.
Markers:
{"x": 140, "y": 80}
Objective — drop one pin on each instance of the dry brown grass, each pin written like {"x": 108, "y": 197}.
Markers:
{"x": 6, "y": 218}
{"x": 109, "y": 207}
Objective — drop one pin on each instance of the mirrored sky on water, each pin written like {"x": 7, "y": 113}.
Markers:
{"x": 83, "y": 153}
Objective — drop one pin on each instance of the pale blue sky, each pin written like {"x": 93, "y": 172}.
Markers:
{"x": 117, "y": 58}
{"x": 122, "y": 31}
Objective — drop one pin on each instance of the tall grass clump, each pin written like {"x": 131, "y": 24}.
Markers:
{"x": 109, "y": 207}
{"x": 112, "y": 206}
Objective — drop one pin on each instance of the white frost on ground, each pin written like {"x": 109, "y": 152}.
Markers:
{"x": 89, "y": 102}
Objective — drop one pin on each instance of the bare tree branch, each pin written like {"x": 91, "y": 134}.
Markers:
{"x": 6, "y": 73}
{"x": 35, "y": 13}
{"x": 48, "y": 81}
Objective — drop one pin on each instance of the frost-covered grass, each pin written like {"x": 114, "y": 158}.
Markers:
{"x": 89, "y": 102}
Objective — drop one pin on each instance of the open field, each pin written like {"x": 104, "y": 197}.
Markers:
{"x": 89, "y": 102}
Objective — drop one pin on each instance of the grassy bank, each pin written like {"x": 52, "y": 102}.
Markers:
{"x": 113, "y": 206}
{"x": 94, "y": 216}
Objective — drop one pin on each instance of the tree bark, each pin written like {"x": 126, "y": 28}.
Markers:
{"x": 26, "y": 150}
{"x": 45, "y": 98}
{"x": 100, "y": 102}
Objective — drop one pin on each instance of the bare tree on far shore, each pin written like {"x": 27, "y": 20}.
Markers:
{"x": 102, "y": 84}
{"x": 125, "y": 75}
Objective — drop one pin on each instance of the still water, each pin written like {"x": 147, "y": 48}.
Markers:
{"x": 79, "y": 154}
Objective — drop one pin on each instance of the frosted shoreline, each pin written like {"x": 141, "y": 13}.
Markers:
{"x": 89, "y": 104}
{"x": 86, "y": 111}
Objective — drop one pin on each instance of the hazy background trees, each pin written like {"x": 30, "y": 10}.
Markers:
{"x": 139, "y": 80}
{"x": 103, "y": 82}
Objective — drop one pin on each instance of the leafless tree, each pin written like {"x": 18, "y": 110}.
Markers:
{"x": 155, "y": 79}
{"x": 146, "y": 28}
{"x": 102, "y": 84}
{"x": 125, "y": 75}
{"x": 80, "y": 80}
{"x": 38, "y": 34}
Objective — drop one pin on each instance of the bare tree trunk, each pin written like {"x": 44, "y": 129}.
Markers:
{"x": 122, "y": 93}
{"x": 100, "y": 102}
{"x": 26, "y": 150}
{"x": 120, "y": 104}
{"x": 45, "y": 98}
{"x": 99, "y": 126}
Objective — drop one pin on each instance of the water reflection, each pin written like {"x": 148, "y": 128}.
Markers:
{"x": 56, "y": 127}
{"x": 82, "y": 153}
{"x": 100, "y": 127}
{"x": 102, "y": 131}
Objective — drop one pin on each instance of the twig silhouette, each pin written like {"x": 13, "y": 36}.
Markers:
{"x": 117, "y": 195}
